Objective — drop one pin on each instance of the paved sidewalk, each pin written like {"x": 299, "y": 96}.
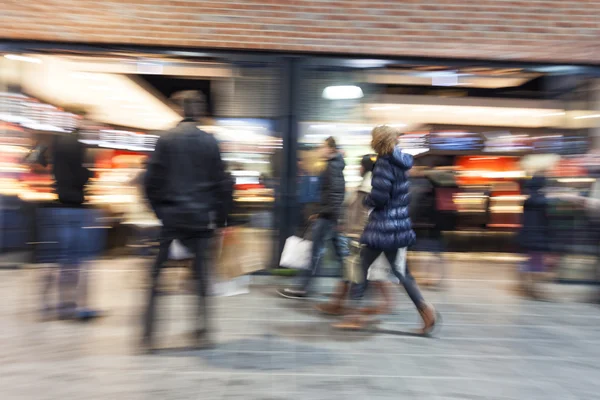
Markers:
{"x": 493, "y": 345}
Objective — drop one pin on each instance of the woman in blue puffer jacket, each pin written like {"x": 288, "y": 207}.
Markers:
{"x": 389, "y": 228}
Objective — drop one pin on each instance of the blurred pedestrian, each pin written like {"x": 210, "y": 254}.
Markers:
{"x": 190, "y": 192}
{"x": 592, "y": 206}
{"x": 308, "y": 195}
{"x": 389, "y": 228}
{"x": 357, "y": 215}
{"x": 69, "y": 216}
{"x": 426, "y": 221}
{"x": 534, "y": 236}
{"x": 332, "y": 193}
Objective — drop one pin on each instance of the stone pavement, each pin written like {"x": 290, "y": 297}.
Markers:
{"x": 493, "y": 345}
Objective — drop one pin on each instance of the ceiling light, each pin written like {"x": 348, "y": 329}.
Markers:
{"x": 399, "y": 125}
{"x": 17, "y": 57}
{"x": 588, "y": 116}
{"x": 345, "y": 92}
{"x": 554, "y": 114}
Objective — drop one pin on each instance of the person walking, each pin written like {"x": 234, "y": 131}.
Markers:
{"x": 357, "y": 216}
{"x": 68, "y": 215}
{"x": 534, "y": 236}
{"x": 389, "y": 230}
{"x": 333, "y": 190}
{"x": 190, "y": 192}
{"x": 426, "y": 223}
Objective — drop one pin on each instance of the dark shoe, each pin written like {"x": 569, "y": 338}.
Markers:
{"x": 290, "y": 293}
{"x": 85, "y": 314}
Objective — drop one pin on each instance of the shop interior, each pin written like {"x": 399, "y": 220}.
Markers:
{"x": 487, "y": 129}
{"x": 484, "y": 128}
{"x": 128, "y": 106}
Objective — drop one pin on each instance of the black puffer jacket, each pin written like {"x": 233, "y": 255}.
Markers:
{"x": 333, "y": 188}
{"x": 186, "y": 181}
{"x": 389, "y": 226}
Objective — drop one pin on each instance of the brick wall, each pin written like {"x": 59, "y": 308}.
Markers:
{"x": 551, "y": 30}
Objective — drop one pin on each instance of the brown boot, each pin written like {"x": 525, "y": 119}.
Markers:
{"x": 336, "y": 305}
{"x": 385, "y": 306}
{"x": 429, "y": 316}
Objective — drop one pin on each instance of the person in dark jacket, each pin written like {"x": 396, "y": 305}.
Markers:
{"x": 389, "y": 229}
{"x": 357, "y": 216}
{"x": 190, "y": 192}
{"x": 69, "y": 216}
{"x": 333, "y": 191}
{"x": 534, "y": 234}
{"x": 426, "y": 222}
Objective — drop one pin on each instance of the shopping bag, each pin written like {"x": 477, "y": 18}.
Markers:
{"x": 296, "y": 253}
{"x": 352, "y": 270}
{"x": 235, "y": 254}
{"x": 177, "y": 251}
{"x": 381, "y": 270}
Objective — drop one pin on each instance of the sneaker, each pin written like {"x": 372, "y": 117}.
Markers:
{"x": 290, "y": 293}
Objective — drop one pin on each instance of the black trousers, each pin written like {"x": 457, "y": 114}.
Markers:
{"x": 368, "y": 256}
{"x": 198, "y": 243}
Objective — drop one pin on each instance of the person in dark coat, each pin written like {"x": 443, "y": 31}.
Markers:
{"x": 190, "y": 192}
{"x": 534, "y": 234}
{"x": 389, "y": 229}
{"x": 333, "y": 191}
{"x": 426, "y": 222}
{"x": 69, "y": 216}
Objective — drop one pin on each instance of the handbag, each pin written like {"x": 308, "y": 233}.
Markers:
{"x": 296, "y": 253}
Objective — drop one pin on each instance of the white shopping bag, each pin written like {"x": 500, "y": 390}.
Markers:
{"x": 296, "y": 253}
{"x": 381, "y": 270}
{"x": 177, "y": 251}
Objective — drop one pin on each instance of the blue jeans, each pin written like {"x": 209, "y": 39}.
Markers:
{"x": 323, "y": 230}
{"x": 65, "y": 239}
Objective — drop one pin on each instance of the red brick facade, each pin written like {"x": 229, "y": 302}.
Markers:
{"x": 551, "y": 30}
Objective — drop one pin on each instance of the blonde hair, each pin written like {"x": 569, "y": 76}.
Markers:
{"x": 384, "y": 139}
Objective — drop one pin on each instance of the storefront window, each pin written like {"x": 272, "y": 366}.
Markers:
{"x": 128, "y": 108}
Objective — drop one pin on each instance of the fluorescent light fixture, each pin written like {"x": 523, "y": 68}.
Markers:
{"x": 553, "y": 114}
{"x": 323, "y": 126}
{"x": 368, "y": 63}
{"x": 344, "y": 92}
{"x": 397, "y": 125}
{"x": 576, "y": 180}
{"x": 17, "y": 57}
{"x": 588, "y": 116}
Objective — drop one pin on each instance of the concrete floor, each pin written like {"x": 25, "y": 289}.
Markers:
{"x": 493, "y": 345}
